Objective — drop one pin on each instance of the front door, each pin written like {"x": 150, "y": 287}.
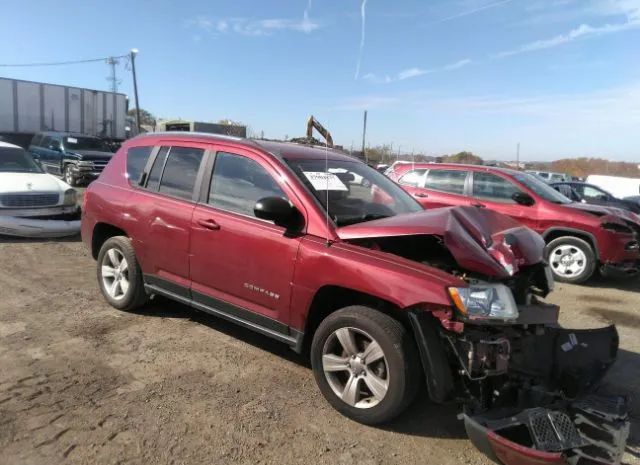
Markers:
{"x": 495, "y": 192}
{"x": 241, "y": 264}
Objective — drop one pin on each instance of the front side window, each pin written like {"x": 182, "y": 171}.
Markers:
{"x": 136, "y": 160}
{"x": 352, "y": 192}
{"x": 491, "y": 187}
{"x": 180, "y": 172}
{"x": 239, "y": 182}
{"x": 541, "y": 188}
{"x": 446, "y": 181}
{"x": 414, "y": 178}
{"x": 592, "y": 193}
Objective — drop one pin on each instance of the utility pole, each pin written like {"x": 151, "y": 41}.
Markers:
{"x": 112, "y": 62}
{"x": 364, "y": 135}
{"x": 518, "y": 157}
{"x": 134, "y": 52}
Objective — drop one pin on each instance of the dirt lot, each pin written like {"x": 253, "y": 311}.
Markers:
{"x": 83, "y": 383}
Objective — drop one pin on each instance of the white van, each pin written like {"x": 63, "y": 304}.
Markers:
{"x": 620, "y": 187}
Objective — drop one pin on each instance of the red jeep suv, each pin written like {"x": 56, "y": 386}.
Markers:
{"x": 579, "y": 237}
{"x": 317, "y": 250}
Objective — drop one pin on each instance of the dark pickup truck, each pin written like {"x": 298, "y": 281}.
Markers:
{"x": 77, "y": 158}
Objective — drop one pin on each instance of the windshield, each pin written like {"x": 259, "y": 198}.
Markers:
{"x": 354, "y": 192}
{"x": 16, "y": 160}
{"x": 541, "y": 188}
{"x": 86, "y": 143}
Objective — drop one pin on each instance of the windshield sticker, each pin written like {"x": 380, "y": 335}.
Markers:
{"x": 72, "y": 140}
{"x": 322, "y": 181}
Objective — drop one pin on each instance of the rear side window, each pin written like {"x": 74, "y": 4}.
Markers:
{"x": 446, "y": 181}
{"x": 491, "y": 187}
{"x": 414, "y": 178}
{"x": 181, "y": 171}
{"x": 156, "y": 170}
{"x": 239, "y": 182}
{"x": 46, "y": 142}
{"x": 136, "y": 160}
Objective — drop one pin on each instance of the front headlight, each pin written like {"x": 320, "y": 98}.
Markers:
{"x": 70, "y": 197}
{"x": 485, "y": 301}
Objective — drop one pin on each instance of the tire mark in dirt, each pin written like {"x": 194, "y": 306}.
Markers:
{"x": 55, "y": 438}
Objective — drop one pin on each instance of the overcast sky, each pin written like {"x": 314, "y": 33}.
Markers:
{"x": 562, "y": 77}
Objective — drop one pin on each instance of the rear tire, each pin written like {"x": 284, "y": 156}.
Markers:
{"x": 571, "y": 259}
{"x": 365, "y": 364}
{"x": 119, "y": 274}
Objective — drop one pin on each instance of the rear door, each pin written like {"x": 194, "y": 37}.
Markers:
{"x": 165, "y": 206}
{"x": 443, "y": 188}
{"x": 495, "y": 192}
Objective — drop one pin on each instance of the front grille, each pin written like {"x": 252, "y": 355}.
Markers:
{"x": 99, "y": 165}
{"x": 29, "y": 200}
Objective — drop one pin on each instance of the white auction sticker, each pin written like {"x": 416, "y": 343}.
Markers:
{"x": 72, "y": 140}
{"x": 322, "y": 181}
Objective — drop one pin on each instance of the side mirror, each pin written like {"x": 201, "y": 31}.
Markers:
{"x": 280, "y": 211}
{"x": 55, "y": 147}
{"x": 523, "y": 198}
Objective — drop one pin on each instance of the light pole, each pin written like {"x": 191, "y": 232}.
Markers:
{"x": 134, "y": 52}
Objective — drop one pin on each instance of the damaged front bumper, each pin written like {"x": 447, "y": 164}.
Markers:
{"x": 526, "y": 386}
{"x": 38, "y": 227}
{"x": 590, "y": 430}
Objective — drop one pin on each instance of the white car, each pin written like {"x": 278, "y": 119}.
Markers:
{"x": 32, "y": 202}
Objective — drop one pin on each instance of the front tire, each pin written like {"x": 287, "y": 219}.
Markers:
{"x": 119, "y": 274}
{"x": 571, "y": 259}
{"x": 365, "y": 364}
{"x": 68, "y": 175}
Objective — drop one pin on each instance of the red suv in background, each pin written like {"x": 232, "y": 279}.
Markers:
{"x": 318, "y": 250}
{"x": 579, "y": 236}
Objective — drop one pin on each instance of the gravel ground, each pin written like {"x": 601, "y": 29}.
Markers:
{"x": 81, "y": 382}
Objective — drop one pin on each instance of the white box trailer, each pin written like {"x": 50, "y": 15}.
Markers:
{"x": 619, "y": 186}
{"x": 28, "y": 107}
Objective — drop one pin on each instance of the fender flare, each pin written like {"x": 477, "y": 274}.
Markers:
{"x": 574, "y": 232}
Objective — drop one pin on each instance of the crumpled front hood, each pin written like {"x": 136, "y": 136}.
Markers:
{"x": 603, "y": 211}
{"x": 480, "y": 240}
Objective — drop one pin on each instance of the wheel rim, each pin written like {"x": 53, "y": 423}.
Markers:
{"x": 355, "y": 367}
{"x": 568, "y": 261}
{"x": 115, "y": 274}
{"x": 68, "y": 177}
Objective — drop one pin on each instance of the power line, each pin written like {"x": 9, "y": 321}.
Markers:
{"x": 59, "y": 63}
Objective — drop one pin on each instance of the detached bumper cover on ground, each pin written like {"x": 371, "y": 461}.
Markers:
{"x": 44, "y": 228}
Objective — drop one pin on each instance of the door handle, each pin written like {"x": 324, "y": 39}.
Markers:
{"x": 421, "y": 195}
{"x": 209, "y": 224}
{"x": 478, "y": 205}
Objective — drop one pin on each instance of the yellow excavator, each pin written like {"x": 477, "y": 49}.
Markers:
{"x": 309, "y": 139}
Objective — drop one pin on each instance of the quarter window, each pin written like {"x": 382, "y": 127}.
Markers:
{"x": 491, "y": 187}
{"x": 136, "y": 160}
{"x": 414, "y": 178}
{"x": 180, "y": 172}
{"x": 239, "y": 182}
{"x": 446, "y": 181}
